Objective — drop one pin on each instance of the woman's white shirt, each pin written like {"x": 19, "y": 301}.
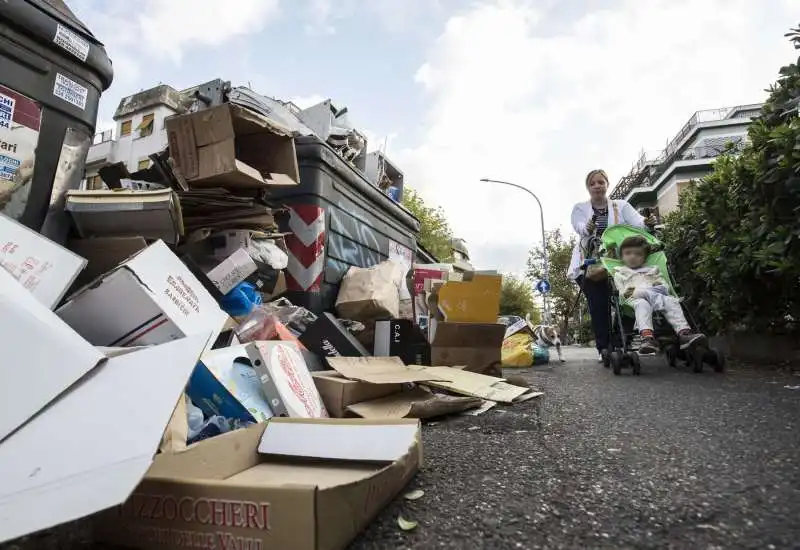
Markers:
{"x": 619, "y": 212}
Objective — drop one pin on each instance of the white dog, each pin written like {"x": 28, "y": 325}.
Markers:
{"x": 547, "y": 336}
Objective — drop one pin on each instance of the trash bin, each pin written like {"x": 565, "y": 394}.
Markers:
{"x": 52, "y": 72}
{"x": 337, "y": 219}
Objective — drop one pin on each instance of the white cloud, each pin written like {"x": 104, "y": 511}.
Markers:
{"x": 511, "y": 100}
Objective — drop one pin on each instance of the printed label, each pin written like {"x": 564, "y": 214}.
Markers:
{"x": 20, "y": 118}
{"x": 295, "y": 380}
{"x": 70, "y": 91}
{"x": 71, "y": 42}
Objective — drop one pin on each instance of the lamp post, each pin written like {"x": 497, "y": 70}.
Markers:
{"x": 544, "y": 241}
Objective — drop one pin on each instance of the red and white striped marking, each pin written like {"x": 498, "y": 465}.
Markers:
{"x": 306, "y": 245}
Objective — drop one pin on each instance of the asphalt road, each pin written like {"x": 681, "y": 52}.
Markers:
{"x": 670, "y": 459}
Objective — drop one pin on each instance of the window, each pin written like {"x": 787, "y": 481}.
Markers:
{"x": 144, "y": 164}
{"x": 125, "y": 129}
{"x": 94, "y": 182}
{"x": 146, "y": 127}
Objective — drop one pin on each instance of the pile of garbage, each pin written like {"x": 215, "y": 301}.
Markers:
{"x": 162, "y": 331}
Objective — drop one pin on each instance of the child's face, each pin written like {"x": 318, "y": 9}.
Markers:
{"x": 633, "y": 257}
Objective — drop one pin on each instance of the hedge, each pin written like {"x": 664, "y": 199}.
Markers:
{"x": 734, "y": 243}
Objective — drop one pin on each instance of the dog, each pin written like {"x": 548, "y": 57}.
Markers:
{"x": 547, "y": 336}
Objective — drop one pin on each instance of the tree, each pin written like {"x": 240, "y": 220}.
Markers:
{"x": 517, "y": 299}
{"x": 734, "y": 243}
{"x": 563, "y": 292}
{"x": 435, "y": 232}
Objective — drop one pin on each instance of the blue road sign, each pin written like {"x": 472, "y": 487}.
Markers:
{"x": 543, "y": 286}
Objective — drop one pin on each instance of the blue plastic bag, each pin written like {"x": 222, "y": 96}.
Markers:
{"x": 242, "y": 300}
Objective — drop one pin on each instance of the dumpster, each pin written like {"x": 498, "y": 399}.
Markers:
{"x": 337, "y": 219}
{"x": 52, "y": 72}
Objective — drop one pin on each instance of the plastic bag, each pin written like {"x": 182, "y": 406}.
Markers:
{"x": 266, "y": 251}
{"x": 241, "y": 300}
{"x": 517, "y": 350}
{"x": 200, "y": 429}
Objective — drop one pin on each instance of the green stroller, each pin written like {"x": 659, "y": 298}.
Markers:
{"x": 623, "y": 352}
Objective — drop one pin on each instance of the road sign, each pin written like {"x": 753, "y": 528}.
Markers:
{"x": 543, "y": 286}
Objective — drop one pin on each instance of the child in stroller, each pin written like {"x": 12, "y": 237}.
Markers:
{"x": 642, "y": 291}
{"x": 647, "y": 291}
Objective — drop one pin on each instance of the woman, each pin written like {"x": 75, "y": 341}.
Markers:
{"x": 589, "y": 219}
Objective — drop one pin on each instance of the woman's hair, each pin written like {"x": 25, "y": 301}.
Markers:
{"x": 593, "y": 173}
{"x": 635, "y": 241}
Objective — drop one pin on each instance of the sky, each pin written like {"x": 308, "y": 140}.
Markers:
{"x": 536, "y": 92}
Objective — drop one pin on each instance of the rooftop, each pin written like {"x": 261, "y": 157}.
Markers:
{"x": 160, "y": 95}
{"x": 651, "y": 165}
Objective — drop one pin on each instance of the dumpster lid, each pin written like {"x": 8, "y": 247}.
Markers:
{"x": 58, "y": 8}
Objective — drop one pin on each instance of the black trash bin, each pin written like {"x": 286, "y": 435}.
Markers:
{"x": 337, "y": 219}
{"x": 52, "y": 72}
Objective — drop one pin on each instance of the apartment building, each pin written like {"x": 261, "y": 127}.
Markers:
{"x": 657, "y": 179}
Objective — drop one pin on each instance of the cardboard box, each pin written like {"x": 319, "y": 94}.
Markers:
{"x": 101, "y": 416}
{"x": 327, "y": 337}
{"x": 288, "y": 485}
{"x": 476, "y": 347}
{"x": 103, "y": 254}
{"x": 418, "y": 402}
{"x": 150, "y": 299}
{"x": 479, "y": 385}
{"x": 474, "y": 301}
{"x": 232, "y": 271}
{"x": 379, "y": 370}
{"x": 230, "y": 146}
{"x": 44, "y": 268}
{"x": 254, "y": 382}
{"x": 401, "y": 338}
{"x": 339, "y": 392}
{"x": 124, "y": 213}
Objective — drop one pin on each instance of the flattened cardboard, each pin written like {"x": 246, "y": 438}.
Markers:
{"x": 357, "y": 442}
{"x": 41, "y": 355}
{"x": 338, "y": 392}
{"x": 96, "y": 466}
{"x": 476, "y": 385}
{"x": 230, "y": 146}
{"x": 41, "y": 266}
{"x": 415, "y": 403}
{"x": 154, "y": 214}
{"x": 162, "y": 300}
{"x": 476, "y": 347}
{"x": 265, "y": 502}
{"x": 379, "y": 370}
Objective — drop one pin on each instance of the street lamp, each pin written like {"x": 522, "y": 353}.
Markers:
{"x": 544, "y": 241}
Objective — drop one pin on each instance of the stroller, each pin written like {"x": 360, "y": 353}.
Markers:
{"x": 624, "y": 340}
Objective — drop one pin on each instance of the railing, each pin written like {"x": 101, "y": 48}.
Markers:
{"x": 103, "y": 137}
{"x": 653, "y": 166}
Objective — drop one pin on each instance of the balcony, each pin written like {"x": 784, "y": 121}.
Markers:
{"x": 651, "y": 166}
{"x": 102, "y": 148}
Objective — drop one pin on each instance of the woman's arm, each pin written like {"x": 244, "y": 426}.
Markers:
{"x": 630, "y": 216}
{"x": 579, "y": 221}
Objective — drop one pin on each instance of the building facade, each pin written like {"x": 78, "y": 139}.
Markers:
{"x": 139, "y": 131}
{"x": 657, "y": 180}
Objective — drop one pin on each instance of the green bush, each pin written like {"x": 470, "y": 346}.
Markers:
{"x": 735, "y": 240}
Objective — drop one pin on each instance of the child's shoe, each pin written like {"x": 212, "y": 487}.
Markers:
{"x": 649, "y": 346}
{"x": 687, "y": 339}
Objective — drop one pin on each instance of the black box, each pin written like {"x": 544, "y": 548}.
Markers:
{"x": 401, "y": 338}
{"x": 327, "y": 337}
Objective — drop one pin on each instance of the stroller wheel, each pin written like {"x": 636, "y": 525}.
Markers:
{"x": 616, "y": 362}
{"x": 696, "y": 359}
{"x": 635, "y": 363}
{"x": 672, "y": 355}
{"x": 717, "y": 360}
{"x": 606, "y": 358}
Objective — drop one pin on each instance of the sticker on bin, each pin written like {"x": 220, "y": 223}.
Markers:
{"x": 70, "y": 91}
{"x": 71, "y": 42}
